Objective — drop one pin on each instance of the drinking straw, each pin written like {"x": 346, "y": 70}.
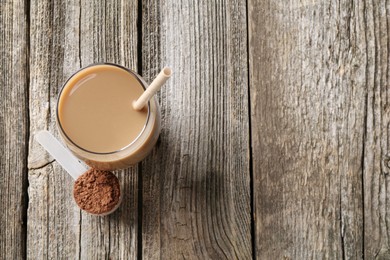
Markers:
{"x": 156, "y": 85}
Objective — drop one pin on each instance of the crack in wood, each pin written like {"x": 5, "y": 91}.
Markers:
{"x": 42, "y": 166}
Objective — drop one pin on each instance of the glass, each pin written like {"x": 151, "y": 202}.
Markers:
{"x": 133, "y": 152}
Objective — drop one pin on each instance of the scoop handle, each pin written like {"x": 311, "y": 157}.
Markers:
{"x": 61, "y": 154}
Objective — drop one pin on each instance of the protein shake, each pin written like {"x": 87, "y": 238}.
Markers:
{"x": 97, "y": 121}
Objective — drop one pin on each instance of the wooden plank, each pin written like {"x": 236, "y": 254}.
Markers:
{"x": 308, "y": 67}
{"x": 53, "y": 218}
{"x": 64, "y": 37}
{"x": 377, "y": 137}
{"x": 196, "y": 184}
{"x": 13, "y": 128}
{"x": 109, "y": 34}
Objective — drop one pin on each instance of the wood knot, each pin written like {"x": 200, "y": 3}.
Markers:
{"x": 386, "y": 164}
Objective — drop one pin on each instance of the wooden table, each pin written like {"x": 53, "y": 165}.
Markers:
{"x": 275, "y": 139}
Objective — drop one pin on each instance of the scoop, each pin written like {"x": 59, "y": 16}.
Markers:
{"x": 61, "y": 154}
{"x": 68, "y": 161}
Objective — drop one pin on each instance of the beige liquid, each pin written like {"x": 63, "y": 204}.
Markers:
{"x": 96, "y": 114}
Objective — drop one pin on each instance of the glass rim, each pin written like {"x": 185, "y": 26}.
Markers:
{"x": 139, "y": 79}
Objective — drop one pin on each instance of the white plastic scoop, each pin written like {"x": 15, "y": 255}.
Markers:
{"x": 61, "y": 154}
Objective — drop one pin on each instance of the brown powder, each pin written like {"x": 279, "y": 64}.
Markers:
{"x": 96, "y": 191}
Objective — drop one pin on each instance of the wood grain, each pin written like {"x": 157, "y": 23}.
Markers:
{"x": 13, "y": 128}
{"x": 53, "y": 217}
{"x": 312, "y": 65}
{"x": 64, "y": 37}
{"x": 196, "y": 184}
{"x": 316, "y": 130}
{"x": 377, "y": 135}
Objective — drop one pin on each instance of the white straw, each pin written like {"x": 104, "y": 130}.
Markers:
{"x": 156, "y": 85}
